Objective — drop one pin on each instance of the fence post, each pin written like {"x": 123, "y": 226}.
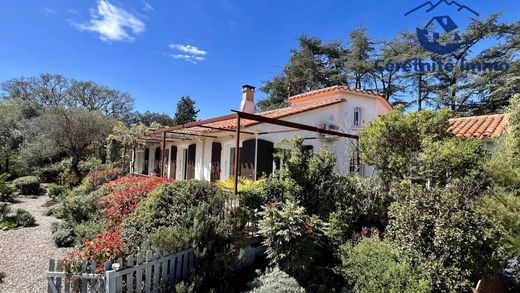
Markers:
{"x": 110, "y": 281}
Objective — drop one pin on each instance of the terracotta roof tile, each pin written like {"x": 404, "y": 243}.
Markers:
{"x": 312, "y": 95}
{"x": 486, "y": 126}
{"x": 278, "y": 113}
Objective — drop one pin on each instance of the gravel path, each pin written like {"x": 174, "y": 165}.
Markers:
{"x": 25, "y": 252}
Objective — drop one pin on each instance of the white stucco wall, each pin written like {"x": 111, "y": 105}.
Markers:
{"x": 341, "y": 115}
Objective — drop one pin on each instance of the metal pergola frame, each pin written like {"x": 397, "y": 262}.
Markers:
{"x": 238, "y": 115}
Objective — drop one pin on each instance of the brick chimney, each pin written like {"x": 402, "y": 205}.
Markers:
{"x": 248, "y": 99}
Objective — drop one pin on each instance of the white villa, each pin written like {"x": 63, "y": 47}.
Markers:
{"x": 206, "y": 149}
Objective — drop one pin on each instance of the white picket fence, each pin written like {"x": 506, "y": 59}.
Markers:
{"x": 150, "y": 272}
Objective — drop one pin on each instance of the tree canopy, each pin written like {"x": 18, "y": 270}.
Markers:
{"x": 186, "y": 111}
{"x": 54, "y": 90}
{"x": 317, "y": 64}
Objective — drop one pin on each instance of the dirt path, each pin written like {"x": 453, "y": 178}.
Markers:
{"x": 25, "y": 252}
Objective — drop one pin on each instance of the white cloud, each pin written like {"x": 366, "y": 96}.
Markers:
{"x": 188, "y": 49}
{"x": 113, "y": 23}
{"x": 49, "y": 11}
{"x": 188, "y": 58}
{"x": 188, "y": 53}
{"x": 147, "y": 7}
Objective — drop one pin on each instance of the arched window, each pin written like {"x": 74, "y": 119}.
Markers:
{"x": 357, "y": 117}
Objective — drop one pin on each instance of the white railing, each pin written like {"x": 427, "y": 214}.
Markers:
{"x": 150, "y": 272}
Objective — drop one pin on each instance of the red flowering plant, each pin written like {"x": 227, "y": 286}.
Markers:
{"x": 123, "y": 182}
{"x": 122, "y": 197}
{"x": 122, "y": 201}
{"x": 105, "y": 246}
{"x": 100, "y": 177}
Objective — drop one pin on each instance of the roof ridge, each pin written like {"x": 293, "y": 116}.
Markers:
{"x": 480, "y": 116}
{"x": 331, "y": 88}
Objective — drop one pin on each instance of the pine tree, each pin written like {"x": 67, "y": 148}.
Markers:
{"x": 186, "y": 111}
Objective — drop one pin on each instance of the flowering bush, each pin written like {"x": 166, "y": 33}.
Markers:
{"x": 105, "y": 246}
{"x": 126, "y": 194}
{"x": 100, "y": 177}
{"x": 121, "y": 196}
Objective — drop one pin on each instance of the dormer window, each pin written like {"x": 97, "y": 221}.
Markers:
{"x": 357, "y": 117}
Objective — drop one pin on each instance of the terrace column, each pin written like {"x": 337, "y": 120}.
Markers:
{"x": 163, "y": 153}
{"x": 237, "y": 153}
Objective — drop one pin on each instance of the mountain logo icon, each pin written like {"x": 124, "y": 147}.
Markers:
{"x": 440, "y": 34}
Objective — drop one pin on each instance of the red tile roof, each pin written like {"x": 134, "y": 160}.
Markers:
{"x": 486, "y": 126}
{"x": 312, "y": 95}
{"x": 278, "y": 113}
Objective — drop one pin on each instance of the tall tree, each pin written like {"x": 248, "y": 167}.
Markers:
{"x": 74, "y": 132}
{"x": 454, "y": 89}
{"x": 54, "y": 90}
{"x": 94, "y": 97}
{"x": 186, "y": 111}
{"x": 314, "y": 65}
{"x": 497, "y": 86}
{"x": 149, "y": 118}
{"x": 398, "y": 85}
{"x": 358, "y": 57}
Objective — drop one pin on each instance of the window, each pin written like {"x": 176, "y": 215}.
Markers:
{"x": 357, "y": 117}
{"x": 353, "y": 164}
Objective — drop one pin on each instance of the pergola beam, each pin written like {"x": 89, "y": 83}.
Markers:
{"x": 224, "y": 129}
{"x": 191, "y": 124}
{"x": 192, "y": 134}
{"x": 289, "y": 124}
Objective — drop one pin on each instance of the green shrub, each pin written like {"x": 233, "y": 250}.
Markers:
{"x": 275, "y": 280}
{"x": 62, "y": 234}
{"x": 23, "y": 218}
{"x": 269, "y": 190}
{"x": 4, "y": 211}
{"x": 8, "y": 223}
{"x": 504, "y": 211}
{"x": 91, "y": 164}
{"x": 243, "y": 183}
{"x": 171, "y": 205}
{"x": 360, "y": 202}
{"x": 292, "y": 238}
{"x": 311, "y": 177}
{"x": 6, "y": 190}
{"x": 376, "y": 266}
{"x": 192, "y": 212}
{"x": 87, "y": 230}
{"x": 28, "y": 185}
{"x": 440, "y": 228}
{"x": 50, "y": 173}
{"x": 56, "y": 192}
{"x": 79, "y": 207}
{"x": 167, "y": 238}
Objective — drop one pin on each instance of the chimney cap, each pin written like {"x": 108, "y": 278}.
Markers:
{"x": 248, "y": 87}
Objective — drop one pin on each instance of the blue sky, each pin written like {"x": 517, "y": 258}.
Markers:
{"x": 160, "y": 50}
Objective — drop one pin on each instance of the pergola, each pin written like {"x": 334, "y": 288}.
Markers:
{"x": 193, "y": 129}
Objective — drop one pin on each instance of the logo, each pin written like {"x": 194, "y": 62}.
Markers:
{"x": 440, "y": 35}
